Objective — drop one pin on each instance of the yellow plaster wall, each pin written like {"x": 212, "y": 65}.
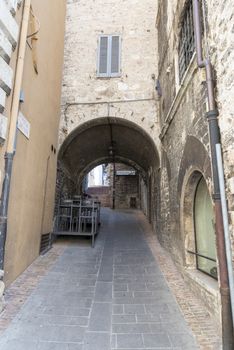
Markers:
{"x": 34, "y": 170}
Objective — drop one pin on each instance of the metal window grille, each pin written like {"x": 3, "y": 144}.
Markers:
{"x": 187, "y": 40}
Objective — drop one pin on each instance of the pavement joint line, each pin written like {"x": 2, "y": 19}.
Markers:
{"x": 147, "y": 318}
{"x": 176, "y": 284}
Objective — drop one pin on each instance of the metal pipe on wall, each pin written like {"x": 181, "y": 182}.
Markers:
{"x": 9, "y": 156}
{"x": 214, "y": 133}
{"x": 226, "y": 225}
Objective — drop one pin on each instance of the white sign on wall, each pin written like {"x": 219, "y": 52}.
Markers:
{"x": 125, "y": 173}
{"x": 23, "y": 125}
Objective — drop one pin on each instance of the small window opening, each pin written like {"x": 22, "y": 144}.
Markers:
{"x": 187, "y": 39}
{"x": 109, "y": 56}
{"x": 204, "y": 230}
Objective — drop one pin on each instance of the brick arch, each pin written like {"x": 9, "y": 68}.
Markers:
{"x": 194, "y": 156}
{"x": 195, "y": 164}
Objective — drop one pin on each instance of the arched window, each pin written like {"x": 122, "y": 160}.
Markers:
{"x": 204, "y": 230}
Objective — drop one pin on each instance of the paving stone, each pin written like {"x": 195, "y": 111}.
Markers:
{"x": 97, "y": 341}
{"x": 100, "y": 318}
{"x": 123, "y": 319}
{"x": 120, "y": 287}
{"x": 131, "y": 328}
{"x": 157, "y": 340}
{"x": 148, "y": 318}
{"x": 127, "y": 295}
{"x": 19, "y": 345}
{"x": 117, "y": 309}
{"x": 86, "y": 282}
{"x": 102, "y": 299}
{"x": 134, "y": 309}
{"x": 103, "y": 291}
{"x": 125, "y": 341}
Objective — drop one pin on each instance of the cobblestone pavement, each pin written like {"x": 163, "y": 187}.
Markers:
{"x": 111, "y": 297}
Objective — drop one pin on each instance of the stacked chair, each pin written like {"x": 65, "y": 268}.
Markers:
{"x": 79, "y": 217}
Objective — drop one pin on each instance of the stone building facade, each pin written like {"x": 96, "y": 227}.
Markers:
{"x": 185, "y": 157}
{"x": 102, "y": 115}
{"x": 152, "y": 114}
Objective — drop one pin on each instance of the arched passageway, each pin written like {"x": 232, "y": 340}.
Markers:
{"x": 108, "y": 140}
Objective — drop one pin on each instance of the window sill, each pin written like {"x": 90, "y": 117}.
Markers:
{"x": 108, "y": 78}
{"x": 204, "y": 281}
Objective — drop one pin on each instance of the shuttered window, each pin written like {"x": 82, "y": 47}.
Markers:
{"x": 109, "y": 56}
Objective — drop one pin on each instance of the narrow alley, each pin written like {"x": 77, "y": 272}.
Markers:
{"x": 113, "y": 296}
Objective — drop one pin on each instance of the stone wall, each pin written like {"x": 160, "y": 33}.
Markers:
{"x": 220, "y": 34}
{"x": 126, "y": 188}
{"x": 102, "y": 194}
{"x": 184, "y": 131}
{"x": 174, "y": 115}
{"x": 131, "y": 96}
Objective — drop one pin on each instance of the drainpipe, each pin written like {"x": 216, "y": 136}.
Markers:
{"x": 214, "y": 133}
{"x": 114, "y": 185}
{"x": 9, "y": 155}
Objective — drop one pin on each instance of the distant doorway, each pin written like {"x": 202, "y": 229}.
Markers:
{"x": 133, "y": 202}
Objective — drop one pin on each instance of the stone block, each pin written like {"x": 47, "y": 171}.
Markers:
{"x": 231, "y": 184}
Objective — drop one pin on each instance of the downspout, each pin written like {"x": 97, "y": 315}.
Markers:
{"x": 9, "y": 155}
{"x": 214, "y": 134}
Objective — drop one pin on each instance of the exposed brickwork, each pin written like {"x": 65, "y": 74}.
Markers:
{"x": 126, "y": 189}
{"x": 102, "y": 193}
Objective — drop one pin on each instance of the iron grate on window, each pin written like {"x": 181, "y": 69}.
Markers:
{"x": 187, "y": 40}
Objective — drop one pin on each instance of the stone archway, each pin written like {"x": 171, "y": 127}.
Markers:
{"x": 107, "y": 140}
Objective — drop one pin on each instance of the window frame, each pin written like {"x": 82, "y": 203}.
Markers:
{"x": 108, "y": 74}
{"x": 197, "y": 253}
{"x": 187, "y": 45}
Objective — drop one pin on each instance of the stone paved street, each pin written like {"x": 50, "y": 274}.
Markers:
{"x": 111, "y": 297}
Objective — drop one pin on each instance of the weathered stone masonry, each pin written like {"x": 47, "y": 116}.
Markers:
{"x": 173, "y": 116}
{"x": 184, "y": 131}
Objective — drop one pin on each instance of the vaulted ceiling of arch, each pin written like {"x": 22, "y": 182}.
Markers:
{"x": 93, "y": 142}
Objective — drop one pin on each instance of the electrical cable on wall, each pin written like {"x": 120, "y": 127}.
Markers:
{"x": 38, "y": 24}
{"x": 35, "y": 28}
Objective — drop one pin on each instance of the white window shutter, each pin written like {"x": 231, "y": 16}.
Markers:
{"x": 103, "y": 56}
{"x": 109, "y": 56}
{"x": 115, "y": 55}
